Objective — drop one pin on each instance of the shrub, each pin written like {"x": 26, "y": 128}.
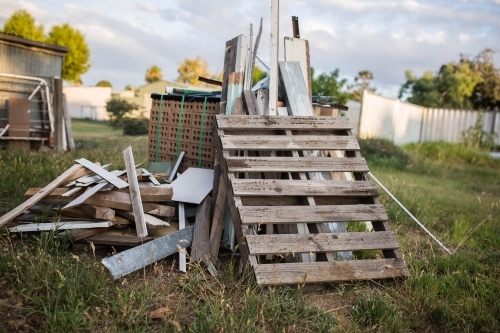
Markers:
{"x": 117, "y": 110}
{"x": 383, "y": 152}
{"x": 135, "y": 126}
{"x": 476, "y": 137}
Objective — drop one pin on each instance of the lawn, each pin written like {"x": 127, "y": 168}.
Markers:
{"x": 453, "y": 191}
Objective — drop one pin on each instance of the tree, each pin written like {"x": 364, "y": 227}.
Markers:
{"x": 77, "y": 60}
{"x": 361, "y": 83}
{"x": 104, "y": 83}
{"x": 129, "y": 87}
{"x": 258, "y": 74}
{"x": 117, "y": 110}
{"x": 153, "y": 74}
{"x": 330, "y": 85}
{"x": 466, "y": 84}
{"x": 190, "y": 69}
{"x": 22, "y": 24}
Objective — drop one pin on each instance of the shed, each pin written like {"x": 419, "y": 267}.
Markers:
{"x": 26, "y": 71}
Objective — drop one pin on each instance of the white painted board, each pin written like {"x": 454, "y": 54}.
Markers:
{"x": 193, "y": 185}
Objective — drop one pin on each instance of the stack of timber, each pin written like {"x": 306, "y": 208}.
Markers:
{"x": 279, "y": 213}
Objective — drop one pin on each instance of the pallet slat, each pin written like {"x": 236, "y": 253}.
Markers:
{"x": 284, "y": 122}
{"x": 278, "y": 187}
{"x": 315, "y": 243}
{"x": 299, "y": 164}
{"x": 282, "y": 142}
{"x": 311, "y": 214}
{"x": 336, "y": 271}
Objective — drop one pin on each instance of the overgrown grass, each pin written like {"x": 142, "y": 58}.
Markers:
{"x": 454, "y": 192}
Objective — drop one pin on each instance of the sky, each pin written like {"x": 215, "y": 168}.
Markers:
{"x": 385, "y": 37}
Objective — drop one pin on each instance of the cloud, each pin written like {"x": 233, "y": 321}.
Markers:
{"x": 462, "y": 37}
{"x": 432, "y": 38}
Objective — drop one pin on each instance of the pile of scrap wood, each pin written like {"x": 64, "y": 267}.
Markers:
{"x": 131, "y": 210}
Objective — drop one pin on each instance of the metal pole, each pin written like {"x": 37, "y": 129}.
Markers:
{"x": 408, "y": 212}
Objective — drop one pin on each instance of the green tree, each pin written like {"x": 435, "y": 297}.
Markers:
{"x": 118, "y": 110}
{"x": 361, "y": 83}
{"x": 190, "y": 69}
{"x": 466, "y": 84}
{"x": 153, "y": 74}
{"x": 104, "y": 83}
{"x": 22, "y": 24}
{"x": 77, "y": 61}
{"x": 258, "y": 74}
{"x": 330, "y": 85}
{"x": 129, "y": 87}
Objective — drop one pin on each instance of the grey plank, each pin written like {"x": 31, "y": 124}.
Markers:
{"x": 299, "y": 142}
{"x": 138, "y": 257}
{"x": 103, "y": 173}
{"x": 135, "y": 194}
{"x": 311, "y": 214}
{"x": 193, "y": 185}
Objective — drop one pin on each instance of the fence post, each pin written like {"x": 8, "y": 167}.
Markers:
{"x": 58, "y": 114}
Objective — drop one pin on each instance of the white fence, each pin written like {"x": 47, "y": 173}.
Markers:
{"x": 405, "y": 123}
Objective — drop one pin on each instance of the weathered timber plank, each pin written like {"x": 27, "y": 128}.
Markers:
{"x": 158, "y": 210}
{"x": 39, "y": 195}
{"x": 136, "y": 258}
{"x": 61, "y": 226}
{"x": 154, "y": 193}
{"x": 283, "y": 122}
{"x": 200, "y": 249}
{"x": 135, "y": 194}
{"x": 343, "y": 241}
{"x": 98, "y": 212}
{"x": 77, "y": 234}
{"x": 219, "y": 209}
{"x": 85, "y": 195}
{"x": 103, "y": 173}
{"x": 281, "y": 187}
{"x": 334, "y": 271}
{"x": 297, "y": 164}
{"x": 250, "y": 102}
{"x": 310, "y": 214}
{"x": 277, "y": 142}
{"x": 118, "y": 240}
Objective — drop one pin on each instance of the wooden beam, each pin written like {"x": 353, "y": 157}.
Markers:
{"x": 98, "y": 212}
{"x": 287, "y": 143}
{"x": 158, "y": 210}
{"x": 58, "y": 114}
{"x": 249, "y": 123}
{"x": 104, "y": 173}
{"x": 334, "y": 271}
{"x": 219, "y": 209}
{"x": 273, "y": 72}
{"x": 327, "y": 242}
{"x": 78, "y": 234}
{"x": 138, "y": 257}
{"x": 312, "y": 214}
{"x": 135, "y": 194}
{"x": 200, "y": 248}
{"x": 39, "y": 195}
{"x": 118, "y": 240}
{"x": 67, "y": 124}
{"x": 250, "y": 102}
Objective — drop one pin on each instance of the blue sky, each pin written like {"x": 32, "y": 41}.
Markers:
{"x": 385, "y": 36}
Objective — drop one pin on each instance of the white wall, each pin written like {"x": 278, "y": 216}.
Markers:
{"x": 87, "y": 102}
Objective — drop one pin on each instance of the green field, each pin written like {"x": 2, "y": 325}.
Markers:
{"x": 452, "y": 190}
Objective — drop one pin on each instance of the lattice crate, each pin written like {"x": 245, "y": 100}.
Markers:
{"x": 198, "y": 117}
{"x": 174, "y": 118}
{"x": 185, "y": 133}
{"x": 207, "y": 152}
{"x": 153, "y": 130}
{"x": 163, "y": 147}
{"x": 192, "y": 163}
{"x": 208, "y": 138}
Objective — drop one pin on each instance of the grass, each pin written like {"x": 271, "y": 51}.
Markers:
{"x": 455, "y": 192}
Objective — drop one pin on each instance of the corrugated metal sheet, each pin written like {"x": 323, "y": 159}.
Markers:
{"x": 405, "y": 123}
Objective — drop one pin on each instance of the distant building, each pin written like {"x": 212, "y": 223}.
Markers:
{"x": 87, "y": 102}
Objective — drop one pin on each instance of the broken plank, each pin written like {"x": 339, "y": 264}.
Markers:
{"x": 98, "y": 212}
{"x": 118, "y": 240}
{"x": 250, "y": 102}
{"x": 72, "y": 191}
{"x": 131, "y": 260}
{"x": 182, "y": 226}
{"x": 327, "y": 242}
{"x": 283, "y": 122}
{"x": 200, "y": 249}
{"x": 61, "y": 226}
{"x": 282, "y": 187}
{"x": 154, "y": 193}
{"x": 158, "y": 210}
{"x": 299, "y": 142}
{"x": 77, "y": 234}
{"x": 39, "y": 195}
{"x": 311, "y": 214}
{"x": 135, "y": 195}
{"x": 296, "y": 164}
{"x": 333, "y": 271}
{"x": 103, "y": 173}
{"x": 84, "y": 196}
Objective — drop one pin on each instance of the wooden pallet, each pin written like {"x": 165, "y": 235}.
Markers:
{"x": 267, "y": 176}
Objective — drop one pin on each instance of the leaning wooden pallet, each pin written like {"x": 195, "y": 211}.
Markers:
{"x": 256, "y": 202}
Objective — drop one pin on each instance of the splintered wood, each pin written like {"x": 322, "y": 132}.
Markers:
{"x": 264, "y": 162}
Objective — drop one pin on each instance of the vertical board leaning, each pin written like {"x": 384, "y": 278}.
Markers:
{"x": 258, "y": 202}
